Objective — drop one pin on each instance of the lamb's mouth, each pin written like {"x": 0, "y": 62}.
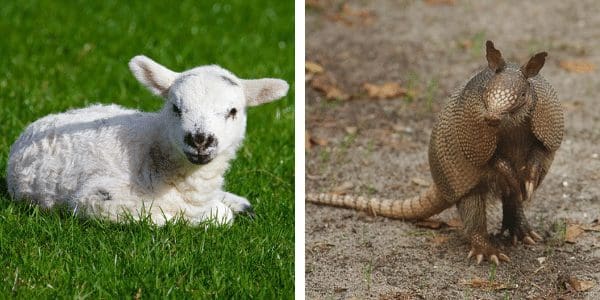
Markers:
{"x": 199, "y": 159}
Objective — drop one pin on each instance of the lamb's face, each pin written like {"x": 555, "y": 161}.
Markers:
{"x": 205, "y": 107}
{"x": 206, "y": 114}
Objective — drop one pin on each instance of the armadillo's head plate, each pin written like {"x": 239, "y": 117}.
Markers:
{"x": 505, "y": 93}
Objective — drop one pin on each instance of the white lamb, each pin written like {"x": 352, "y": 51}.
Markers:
{"x": 108, "y": 161}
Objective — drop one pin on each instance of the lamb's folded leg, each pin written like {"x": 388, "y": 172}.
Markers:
{"x": 236, "y": 203}
{"x": 212, "y": 212}
{"x": 106, "y": 197}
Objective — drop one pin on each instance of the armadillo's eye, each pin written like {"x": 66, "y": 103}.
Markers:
{"x": 231, "y": 114}
{"x": 523, "y": 94}
{"x": 176, "y": 110}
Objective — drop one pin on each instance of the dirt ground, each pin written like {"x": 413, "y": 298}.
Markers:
{"x": 379, "y": 147}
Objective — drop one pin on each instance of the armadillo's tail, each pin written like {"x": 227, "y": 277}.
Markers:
{"x": 420, "y": 207}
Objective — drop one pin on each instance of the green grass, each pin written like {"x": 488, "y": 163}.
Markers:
{"x": 56, "y": 55}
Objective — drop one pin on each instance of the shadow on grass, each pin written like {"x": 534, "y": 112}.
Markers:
{"x": 3, "y": 188}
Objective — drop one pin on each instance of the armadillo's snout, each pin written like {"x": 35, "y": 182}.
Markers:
{"x": 493, "y": 119}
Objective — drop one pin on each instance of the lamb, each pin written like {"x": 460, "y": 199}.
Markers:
{"x": 108, "y": 161}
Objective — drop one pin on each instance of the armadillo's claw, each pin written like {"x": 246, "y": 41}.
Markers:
{"x": 528, "y": 190}
{"x": 494, "y": 259}
{"x": 488, "y": 252}
{"x": 535, "y": 236}
{"x": 528, "y": 240}
{"x": 514, "y": 240}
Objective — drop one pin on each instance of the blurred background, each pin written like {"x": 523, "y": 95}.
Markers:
{"x": 377, "y": 73}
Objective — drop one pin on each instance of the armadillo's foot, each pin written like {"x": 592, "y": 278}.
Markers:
{"x": 481, "y": 248}
{"x": 522, "y": 232}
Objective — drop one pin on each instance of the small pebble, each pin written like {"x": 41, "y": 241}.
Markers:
{"x": 565, "y": 184}
{"x": 541, "y": 260}
{"x": 595, "y": 155}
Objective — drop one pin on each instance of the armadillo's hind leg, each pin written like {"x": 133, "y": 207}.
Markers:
{"x": 514, "y": 220}
{"x": 472, "y": 213}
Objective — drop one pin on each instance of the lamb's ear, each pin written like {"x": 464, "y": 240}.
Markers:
{"x": 534, "y": 65}
{"x": 154, "y": 76}
{"x": 259, "y": 91}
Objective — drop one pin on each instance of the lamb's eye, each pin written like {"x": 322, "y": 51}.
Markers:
{"x": 176, "y": 110}
{"x": 232, "y": 113}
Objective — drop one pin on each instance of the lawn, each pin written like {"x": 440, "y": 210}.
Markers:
{"x": 57, "y": 55}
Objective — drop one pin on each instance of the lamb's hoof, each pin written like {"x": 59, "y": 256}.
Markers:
{"x": 248, "y": 211}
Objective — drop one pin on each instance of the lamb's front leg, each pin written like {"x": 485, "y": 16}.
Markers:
{"x": 236, "y": 203}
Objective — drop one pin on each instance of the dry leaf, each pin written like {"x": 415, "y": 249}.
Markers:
{"x": 591, "y": 227}
{"x": 577, "y": 66}
{"x": 439, "y": 239}
{"x": 384, "y": 91}
{"x": 466, "y": 44}
{"x": 594, "y": 226}
{"x": 430, "y": 223}
{"x": 580, "y": 285}
{"x": 573, "y": 232}
{"x": 485, "y": 284}
{"x": 325, "y": 85}
{"x": 349, "y": 16}
{"x": 351, "y": 129}
{"x": 440, "y": 2}
{"x": 314, "y": 3}
{"x": 313, "y": 67}
{"x": 419, "y": 181}
{"x": 319, "y": 141}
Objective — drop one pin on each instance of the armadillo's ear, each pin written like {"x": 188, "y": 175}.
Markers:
{"x": 534, "y": 65}
{"x": 259, "y": 91}
{"x": 494, "y": 57}
{"x": 154, "y": 76}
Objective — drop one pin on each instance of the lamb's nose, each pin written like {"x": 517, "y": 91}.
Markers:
{"x": 200, "y": 140}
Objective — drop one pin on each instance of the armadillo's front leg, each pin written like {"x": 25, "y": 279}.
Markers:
{"x": 538, "y": 163}
{"x": 472, "y": 213}
{"x": 513, "y": 219}
{"x": 510, "y": 176}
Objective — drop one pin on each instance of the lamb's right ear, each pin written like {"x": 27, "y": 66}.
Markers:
{"x": 259, "y": 91}
{"x": 154, "y": 76}
{"x": 494, "y": 57}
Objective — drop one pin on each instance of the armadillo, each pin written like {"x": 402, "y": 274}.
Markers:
{"x": 495, "y": 139}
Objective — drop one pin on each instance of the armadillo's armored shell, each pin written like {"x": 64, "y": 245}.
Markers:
{"x": 547, "y": 120}
{"x": 461, "y": 143}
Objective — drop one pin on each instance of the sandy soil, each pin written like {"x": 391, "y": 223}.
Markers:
{"x": 379, "y": 147}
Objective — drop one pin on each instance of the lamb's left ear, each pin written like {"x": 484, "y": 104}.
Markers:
{"x": 259, "y": 91}
{"x": 153, "y": 75}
